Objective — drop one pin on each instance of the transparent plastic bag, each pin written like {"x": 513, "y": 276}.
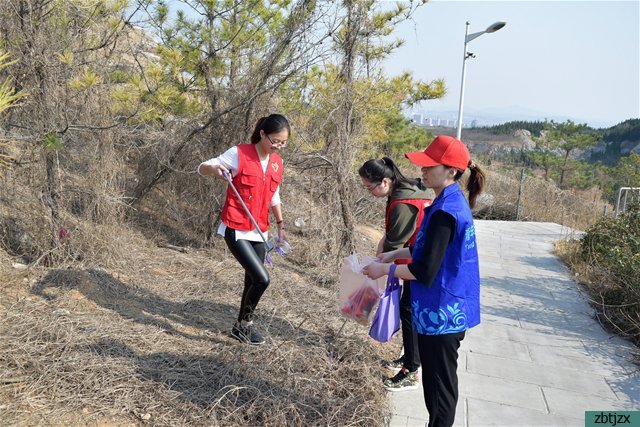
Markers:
{"x": 281, "y": 246}
{"x": 358, "y": 294}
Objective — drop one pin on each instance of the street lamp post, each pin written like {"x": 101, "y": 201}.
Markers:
{"x": 467, "y": 38}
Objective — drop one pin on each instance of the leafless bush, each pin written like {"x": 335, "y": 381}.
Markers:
{"x": 68, "y": 174}
{"x": 89, "y": 206}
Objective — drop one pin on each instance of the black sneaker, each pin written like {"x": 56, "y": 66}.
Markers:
{"x": 402, "y": 381}
{"x": 247, "y": 334}
{"x": 394, "y": 365}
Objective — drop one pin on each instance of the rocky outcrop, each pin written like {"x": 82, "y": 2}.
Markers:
{"x": 524, "y": 137}
{"x": 487, "y": 143}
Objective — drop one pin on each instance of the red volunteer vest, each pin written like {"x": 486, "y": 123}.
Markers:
{"x": 421, "y": 204}
{"x": 255, "y": 187}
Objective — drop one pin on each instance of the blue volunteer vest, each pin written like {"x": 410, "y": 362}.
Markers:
{"x": 452, "y": 303}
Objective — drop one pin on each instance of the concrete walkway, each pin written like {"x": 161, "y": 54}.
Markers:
{"x": 538, "y": 358}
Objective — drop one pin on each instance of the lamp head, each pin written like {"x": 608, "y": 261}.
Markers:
{"x": 495, "y": 27}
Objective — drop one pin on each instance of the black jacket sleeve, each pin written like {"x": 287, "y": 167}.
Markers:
{"x": 439, "y": 234}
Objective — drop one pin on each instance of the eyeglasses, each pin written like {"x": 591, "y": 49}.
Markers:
{"x": 372, "y": 187}
{"x": 277, "y": 142}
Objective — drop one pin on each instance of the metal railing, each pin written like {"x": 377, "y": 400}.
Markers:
{"x": 621, "y": 204}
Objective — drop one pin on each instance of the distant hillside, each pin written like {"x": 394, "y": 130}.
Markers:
{"x": 488, "y": 141}
{"x": 617, "y": 141}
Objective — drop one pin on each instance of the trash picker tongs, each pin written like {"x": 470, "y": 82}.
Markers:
{"x": 255, "y": 224}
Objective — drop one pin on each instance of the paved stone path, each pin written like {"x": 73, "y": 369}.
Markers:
{"x": 538, "y": 358}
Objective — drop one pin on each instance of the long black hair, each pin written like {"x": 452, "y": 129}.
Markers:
{"x": 375, "y": 170}
{"x": 273, "y": 123}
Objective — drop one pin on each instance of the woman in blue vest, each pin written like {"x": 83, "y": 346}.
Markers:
{"x": 406, "y": 200}
{"x": 444, "y": 272}
{"x": 257, "y": 171}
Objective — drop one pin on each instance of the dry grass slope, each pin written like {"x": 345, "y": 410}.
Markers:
{"x": 146, "y": 342}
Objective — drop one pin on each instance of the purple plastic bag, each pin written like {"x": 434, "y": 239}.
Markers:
{"x": 386, "y": 321}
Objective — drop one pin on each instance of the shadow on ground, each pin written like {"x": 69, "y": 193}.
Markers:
{"x": 199, "y": 379}
{"x": 148, "y": 308}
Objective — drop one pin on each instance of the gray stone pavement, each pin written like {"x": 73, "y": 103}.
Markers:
{"x": 539, "y": 357}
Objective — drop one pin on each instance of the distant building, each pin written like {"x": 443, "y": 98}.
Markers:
{"x": 417, "y": 119}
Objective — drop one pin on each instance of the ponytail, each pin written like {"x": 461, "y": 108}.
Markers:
{"x": 475, "y": 183}
{"x": 255, "y": 136}
{"x": 376, "y": 170}
{"x": 270, "y": 124}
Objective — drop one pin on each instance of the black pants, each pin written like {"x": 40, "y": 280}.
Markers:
{"x": 439, "y": 357}
{"x": 250, "y": 255}
{"x": 409, "y": 335}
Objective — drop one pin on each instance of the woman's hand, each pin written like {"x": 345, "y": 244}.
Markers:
{"x": 387, "y": 256}
{"x": 215, "y": 171}
{"x": 218, "y": 173}
{"x": 282, "y": 236}
{"x": 375, "y": 270}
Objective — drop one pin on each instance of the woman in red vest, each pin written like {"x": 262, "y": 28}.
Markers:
{"x": 406, "y": 200}
{"x": 257, "y": 170}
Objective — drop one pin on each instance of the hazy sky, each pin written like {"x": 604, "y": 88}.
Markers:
{"x": 555, "y": 59}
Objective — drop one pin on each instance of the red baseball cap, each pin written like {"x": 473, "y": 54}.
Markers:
{"x": 443, "y": 150}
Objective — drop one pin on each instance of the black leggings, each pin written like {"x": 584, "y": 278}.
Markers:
{"x": 409, "y": 334}
{"x": 439, "y": 357}
{"x": 250, "y": 255}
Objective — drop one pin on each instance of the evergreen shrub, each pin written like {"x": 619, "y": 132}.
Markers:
{"x": 611, "y": 247}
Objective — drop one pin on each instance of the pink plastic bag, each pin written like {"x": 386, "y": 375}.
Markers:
{"x": 358, "y": 293}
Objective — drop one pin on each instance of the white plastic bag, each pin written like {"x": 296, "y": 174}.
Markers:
{"x": 358, "y": 294}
